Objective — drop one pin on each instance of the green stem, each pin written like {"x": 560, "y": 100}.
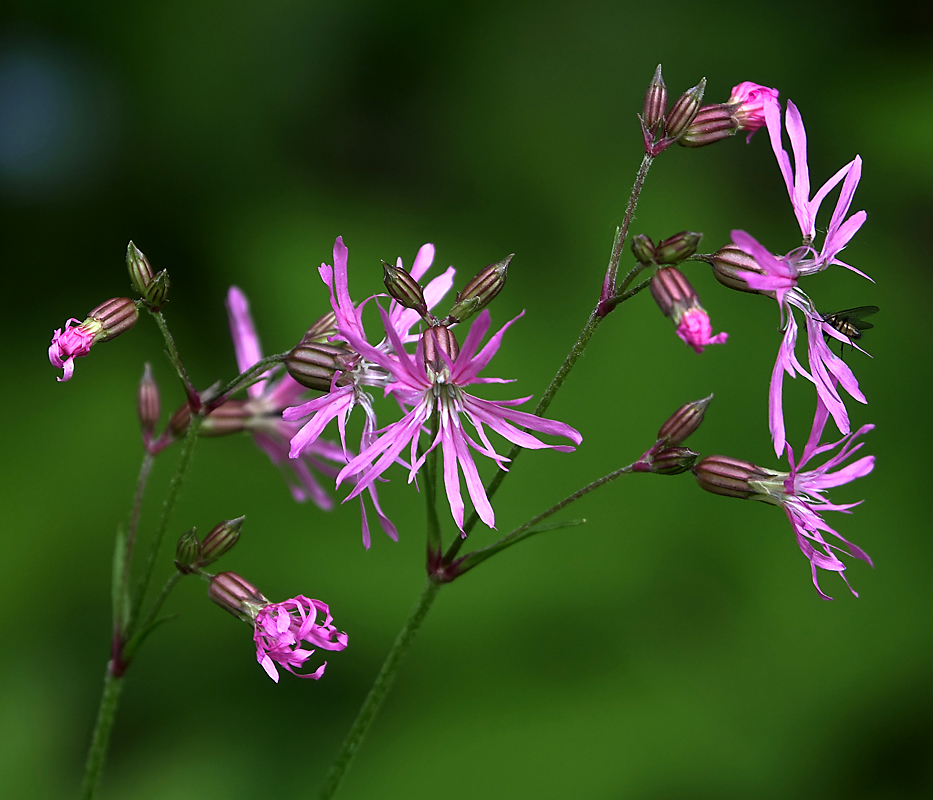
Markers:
{"x": 576, "y": 351}
{"x": 246, "y": 376}
{"x": 430, "y": 499}
{"x": 174, "y": 488}
{"x": 141, "y": 481}
{"x": 163, "y": 595}
{"x": 173, "y": 356}
{"x": 609, "y": 283}
{"x": 102, "y": 728}
{"x": 379, "y": 689}
{"x": 467, "y": 562}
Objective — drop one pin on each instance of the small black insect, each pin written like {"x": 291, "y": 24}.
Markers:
{"x": 850, "y": 322}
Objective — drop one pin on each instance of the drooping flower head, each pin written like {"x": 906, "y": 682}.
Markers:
{"x": 751, "y": 101}
{"x": 279, "y": 629}
{"x": 432, "y": 385}
{"x": 103, "y": 323}
{"x": 679, "y": 301}
{"x": 800, "y": 492}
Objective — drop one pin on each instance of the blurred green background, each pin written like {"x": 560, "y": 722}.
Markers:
{"x": 671, "y": 648}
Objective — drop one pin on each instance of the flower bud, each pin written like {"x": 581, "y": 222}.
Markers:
{"x": 480, "y": 291}
{"x": 322, "y": 329}
{"x": 684, "y": 110}
{"x": 220, "y": 540}
{"x": 236, "y": 595}
{"x": 730, "y": 477}
{"x": 655, "y": 102}
{"x": 711, "y": 124}
{"x": 678, "y": 247}
{"x": 314, "y": 364}
{"x": 684, "y": 422}
{"x": 187, "y": 551}
{"x": 404, "y": 288}
{"x": 730, "y": 260}
{"x": 137, "y": 265}
{"x": 152, "y": 287}
{"x": 438, "y": 342}
{"x": 643, "y": 248}
{"x": 147, "y": 403}
{"x": 672, "y": 460}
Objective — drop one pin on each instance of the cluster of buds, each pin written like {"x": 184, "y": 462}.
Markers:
{"x": 192, "y": 555}
{"x": 103, "y": 323}
{"x": 667, "y": 456}
{"x": 671, "y": 250}
{"x": 476, "y": 295}
{"x": 680, "y": 303}
{"x": 661, "y": 128}
{"x": 152, "y": 286}
{"x": 692, "y": 125}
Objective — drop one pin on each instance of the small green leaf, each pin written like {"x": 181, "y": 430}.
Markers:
{"x": 119, "y": 596}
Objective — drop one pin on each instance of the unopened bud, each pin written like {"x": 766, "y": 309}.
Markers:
{"x": 655, "y": 102}
{"x": 137, "y": 265}
{"x": 480, "y": 291}
{"x": 153, "y": 287}
{"x": 684, "y": 110}
{"x": 236, "y": 595}
{"x": 643, "y": 248}
{"x": 673, "y": 460}
{"x": 158, "y": 290}
{"x": 438, "y": 342}
{"x": 678, "y": 247}
{"x": 711, "y": 124}
{"x": 314, "y": 364}
{"x": 730, "y": 477}
{"x": 684, "y": 422}
{"x": 188, "y": 550}
{"x": 322, "y": 329}
{"x": 728, "y": 262}
{"x": 404, "y": 288}
{"x": 147, "y": 402}
{"x": 220, "y": 540}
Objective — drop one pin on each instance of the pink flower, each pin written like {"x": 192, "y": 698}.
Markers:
{"x": 779, "y": 277}
{"x": 433, "y": 382}
{"x": 66, "y": 346}
{"x": 268, "y": 398}
{"x": 278, "y": 628}
{"x": 695, "y": 329}
{"x": 801, "y": 493}
{"x": 349, "y": 388}
{"x": 679, "y": 301}
{"x": 752, "y": 100}
{"x": 797, "y": 180}
{"x": 281, "y": 628}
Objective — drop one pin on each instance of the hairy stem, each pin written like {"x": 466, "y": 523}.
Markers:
{"x": 379, "y": 689}
{"x": 101, "y": 736}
